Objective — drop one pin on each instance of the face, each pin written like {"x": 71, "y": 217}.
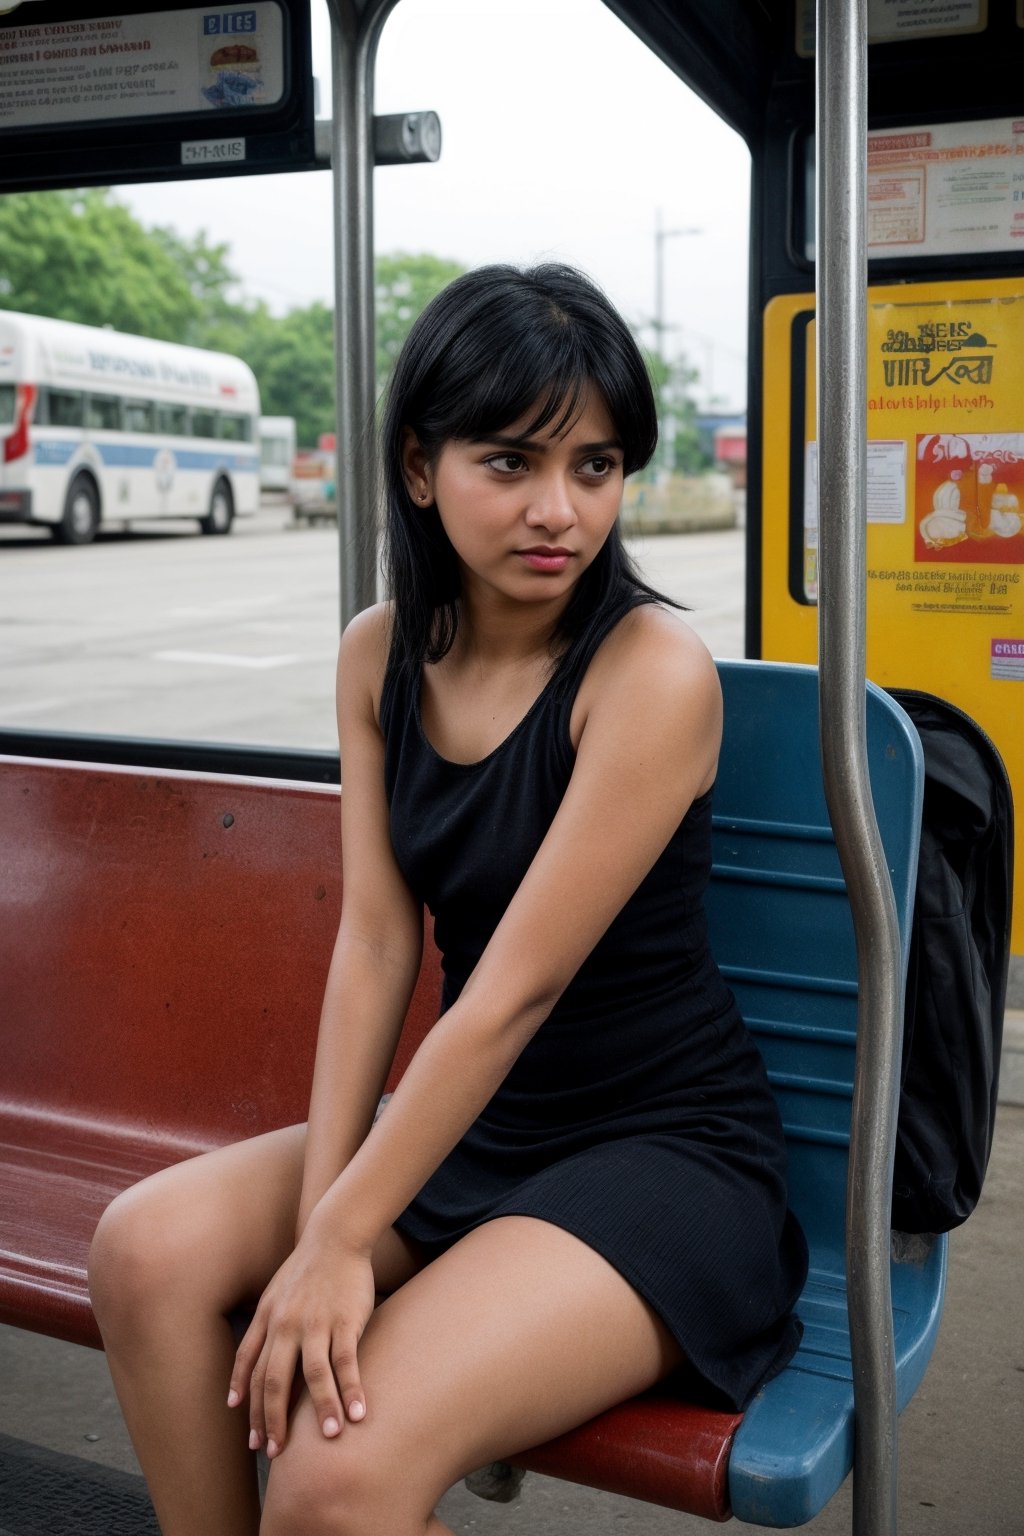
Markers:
{"x": 525, "y": 515}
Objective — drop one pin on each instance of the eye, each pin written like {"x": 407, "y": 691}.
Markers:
{"x": 506, "y": 463}
{"x": 598, "y": 467}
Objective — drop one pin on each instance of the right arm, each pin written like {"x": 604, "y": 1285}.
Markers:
{"x": 380, "y": 938}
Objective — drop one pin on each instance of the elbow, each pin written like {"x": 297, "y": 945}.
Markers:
{"x": 505, "y": 1018}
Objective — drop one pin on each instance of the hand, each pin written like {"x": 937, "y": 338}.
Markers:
{"x": 313, "y": 1311}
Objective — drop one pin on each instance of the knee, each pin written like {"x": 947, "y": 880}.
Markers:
{"x": 341, "y": 1488}
{"x": 132, "y": 1257}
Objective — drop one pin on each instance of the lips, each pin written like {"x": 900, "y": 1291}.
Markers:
{"x": 545, "y": 557}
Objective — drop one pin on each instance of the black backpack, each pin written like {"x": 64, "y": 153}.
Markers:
{"x": 956, "y": 983}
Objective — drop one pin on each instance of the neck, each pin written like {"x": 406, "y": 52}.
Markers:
{"x": 495, "y": 632}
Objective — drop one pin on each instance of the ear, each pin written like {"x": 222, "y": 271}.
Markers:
{"x": 416, "y": 469}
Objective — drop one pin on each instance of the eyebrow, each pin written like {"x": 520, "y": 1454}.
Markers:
{"x": 535, "y": 445}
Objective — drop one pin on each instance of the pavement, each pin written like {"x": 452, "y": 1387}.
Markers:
{"x": 155, "y": 633}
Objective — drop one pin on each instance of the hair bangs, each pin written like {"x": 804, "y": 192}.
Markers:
{"x": 538, "y": 384}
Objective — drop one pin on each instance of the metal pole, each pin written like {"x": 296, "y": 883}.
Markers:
{"x": 356, "y": 26}
{"x": 842, "y": 476}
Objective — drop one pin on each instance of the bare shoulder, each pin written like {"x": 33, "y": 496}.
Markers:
{"x": 655, "y": 651}
{"x": 652, "y": 690}
{"x": 363, "y": 654}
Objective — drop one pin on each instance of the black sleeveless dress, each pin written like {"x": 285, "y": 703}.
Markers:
{"x": 639, "y": 1116}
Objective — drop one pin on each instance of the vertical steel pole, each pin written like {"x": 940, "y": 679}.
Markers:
{"x": 356, "y": 26}
{"x": 842, "y": 475}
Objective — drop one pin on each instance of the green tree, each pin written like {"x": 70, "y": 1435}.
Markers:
{"x": 405, "y": 284}
{"x": 83, "y": 256}
{"x": 292, "y": 357}
{"x": 206, "y": 271}
{"x": 679, "y": 448}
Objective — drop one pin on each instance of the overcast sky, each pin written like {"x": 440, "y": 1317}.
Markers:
{"x": 563, "y": 136}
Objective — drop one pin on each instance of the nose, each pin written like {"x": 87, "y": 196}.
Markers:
{"x": 552, "y": 506}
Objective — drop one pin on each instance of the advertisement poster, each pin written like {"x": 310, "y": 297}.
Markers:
{"x": 945, "y": 451}
{"x": 946, "y": 187}
{"x": 159, "y": 63}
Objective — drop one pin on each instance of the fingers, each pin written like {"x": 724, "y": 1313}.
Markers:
{"x": 271, "y": 1392}
{"x": 346, "y": 1373}
{"x": 246, "y": 1356}
{"x": 332, "y": 1377}
{"x": 265, "y": 1370}
{"x": 323, "y": 1389}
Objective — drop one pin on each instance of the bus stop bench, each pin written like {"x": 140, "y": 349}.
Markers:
{"x": 164, "y": 939}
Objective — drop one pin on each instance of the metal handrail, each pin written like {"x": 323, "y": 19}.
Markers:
{"x": 841, "y": 109}
{"x": 356, "y": 26}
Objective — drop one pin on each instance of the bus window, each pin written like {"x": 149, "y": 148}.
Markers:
{"x": 103, "y": 412}
{"x": 204, "y": 423}
{"x": 138, "y": 415}
{"x": 6, "y": 405}
{"x": 233, "y": 428}
{"x": 60, "y": 408}
{"x": 172, "y": 420}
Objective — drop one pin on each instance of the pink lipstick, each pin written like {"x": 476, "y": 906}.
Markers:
{"x": 545, "y": 557}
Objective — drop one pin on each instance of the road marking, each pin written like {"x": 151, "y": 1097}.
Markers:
{"x": 226, "y": 659}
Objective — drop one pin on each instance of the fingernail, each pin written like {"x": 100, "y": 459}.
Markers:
{"x": 356, "y": 1410}
{"x": 271, "y": 1448}
{"x": 254, "y": 1440}
{"x": 331, "y": 1427}
{"x": 233, "y": 1399}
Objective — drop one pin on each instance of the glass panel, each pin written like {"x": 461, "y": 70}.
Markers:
{"x": 64, "y": 408}
{"x": 235, "y": 429}
{"x": 138, "y": 415}
{"x": 103, "y": 412}
{"x": 6, "y": 405}
{"x": 204, "y": 424}
{"x": 172, "y": 420}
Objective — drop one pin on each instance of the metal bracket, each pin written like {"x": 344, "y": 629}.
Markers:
{"x": 404, "y": 138}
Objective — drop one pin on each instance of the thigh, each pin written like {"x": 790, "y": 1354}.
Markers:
{"x": 516, "y": 1334}
{"x": 226, "y": 1220}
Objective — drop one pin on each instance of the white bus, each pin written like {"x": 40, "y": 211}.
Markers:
{"x": 277, "y": 453}
{"x": 101, "y": 428}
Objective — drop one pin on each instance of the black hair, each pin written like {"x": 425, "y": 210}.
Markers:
{"x": 493, "y": 344}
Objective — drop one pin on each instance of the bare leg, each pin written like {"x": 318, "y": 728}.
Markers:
{"x": 515, "y": 1335}
{"x": 172, "y": 1258}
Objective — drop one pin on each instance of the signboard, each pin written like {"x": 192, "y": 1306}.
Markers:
{"x": 946, "y": 187}
{"x": 937, "y": 189}
{"x": 892, "y": 21}
{"x": 185, "y": 90}
{"x": 945, "y": 499}
{"x": 155, "y": 64}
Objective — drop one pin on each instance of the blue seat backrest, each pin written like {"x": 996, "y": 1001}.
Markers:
{"x": 782, "y": 933}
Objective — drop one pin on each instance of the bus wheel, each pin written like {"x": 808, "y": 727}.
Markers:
{"x": 81, "y": 513}
{"x": 222, "y": 510}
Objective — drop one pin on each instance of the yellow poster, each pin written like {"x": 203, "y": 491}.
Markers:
{"x": 945, "y": 499}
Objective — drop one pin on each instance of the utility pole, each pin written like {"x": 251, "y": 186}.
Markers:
{"x": 660, "y": 236}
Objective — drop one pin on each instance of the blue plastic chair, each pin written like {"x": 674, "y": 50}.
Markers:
{"x": 783, "y": 935}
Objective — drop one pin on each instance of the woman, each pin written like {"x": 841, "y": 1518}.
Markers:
{"x": 578, "y": 1185}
